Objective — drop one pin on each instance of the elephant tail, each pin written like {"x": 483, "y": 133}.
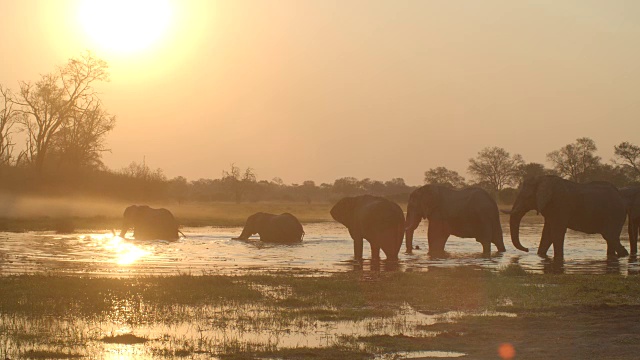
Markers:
{"x": 181, "y": 233}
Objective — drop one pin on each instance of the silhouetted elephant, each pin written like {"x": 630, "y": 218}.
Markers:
{"x": 466, "y": 213}
{"x": 283, "y": 228}
{"x": 593, "y": 208}
{"x": 632, "y": 198}
{"x": 376, "y": 219}
{"x": 149, "y": 224}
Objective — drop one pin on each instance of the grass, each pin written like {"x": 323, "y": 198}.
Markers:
{"x": 43, "y": 314}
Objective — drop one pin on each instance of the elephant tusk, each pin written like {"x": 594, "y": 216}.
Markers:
{"x": 508, "y": 212}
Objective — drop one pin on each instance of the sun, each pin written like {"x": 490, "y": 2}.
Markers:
{"x": 125, "y": 26}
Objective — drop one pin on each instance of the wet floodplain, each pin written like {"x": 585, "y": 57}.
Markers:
{"x": 93, "y": 295}
{"x": 326, "y": 249}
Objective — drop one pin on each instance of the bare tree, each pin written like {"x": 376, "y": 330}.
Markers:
{"x": 239, "y": 182}
{"x": 575, "y": 161}
{"x": 628, "y": 156}
{"x": 9, "y": 115}
{"x": 142, "y": 171}
{"x": 496, "y": 167}
{"x": 51, "y": 102}
{"x": 81, "y": 141}
{"x": 443, "y": 176}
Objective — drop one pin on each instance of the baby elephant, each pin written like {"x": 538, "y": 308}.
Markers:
{"x": 376, "y": 219}
{"x": 283, "y": 228}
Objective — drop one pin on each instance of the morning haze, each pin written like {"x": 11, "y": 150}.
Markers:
{"x": 371, "y": 89}
{"x": 197, "y": 179}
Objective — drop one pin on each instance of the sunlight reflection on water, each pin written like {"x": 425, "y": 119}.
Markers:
{"x": 327, "y": 248}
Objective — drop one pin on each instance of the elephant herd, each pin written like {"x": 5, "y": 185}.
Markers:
{"x": 593, "y": 208}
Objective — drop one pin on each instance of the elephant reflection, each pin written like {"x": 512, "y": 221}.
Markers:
{"x": 593, "y": 208}
{"x": 283, "y": 228}
{"x": 378, "y": 220}
{"x": 149, "y": 223}
{"x": 632, "y": 198}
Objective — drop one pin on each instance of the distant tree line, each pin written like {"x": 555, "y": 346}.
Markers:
{"x": 500, "y": 173}
{"x": 63, "y": 125}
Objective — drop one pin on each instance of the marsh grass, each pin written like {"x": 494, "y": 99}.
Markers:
{"x": 355, "y": 314}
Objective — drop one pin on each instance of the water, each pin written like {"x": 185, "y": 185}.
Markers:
{"x": 327, "y": 248}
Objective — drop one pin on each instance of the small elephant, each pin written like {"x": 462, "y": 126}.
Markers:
{"x": 149, "y": 224}
{"x": 593, "y": 208}
{"x": 376, "y": 219}
{"x": 466, "y": 213}
{"x": 283, "y": 228}
{"x": 632, "y": 197}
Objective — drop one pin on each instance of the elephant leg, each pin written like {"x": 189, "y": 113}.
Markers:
{"x": 375, "y": 250}
{"x": 485, "y": 238}
{"x": 357, "y": 247}
{"x": 437, "y": 236}
{"x": 545, "y": 240}
{"x": 632, "y": 227}
{"x": 614, "y": 247}
{"x": 486, "y": 248}
{"x": 553, "y": 234}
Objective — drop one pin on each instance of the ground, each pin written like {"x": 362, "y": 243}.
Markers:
{"x": 381, "y": 315}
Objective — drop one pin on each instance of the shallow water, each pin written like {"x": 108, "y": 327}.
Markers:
{"x": 327, "y": 248}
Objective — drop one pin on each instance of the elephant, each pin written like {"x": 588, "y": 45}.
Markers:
{"x": 283, "y": 228}
{"x": 593, "y": 208}
{"x": 632, "y": 197}
{"x": 465, "y": 213}
{"x": 376, "y": 219}
{"x": 149, "y": 223}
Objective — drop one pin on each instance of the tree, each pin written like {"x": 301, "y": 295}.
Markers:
{"x": 496, "y": 167}
{"x": 575, "y": 161}
{"x": 628, "y": 156}
{"x": 530, "y": 170}
{"x": 239, "y": 182}
{"x": 51, "y": 102}
{"x": 347, "y": 186}
{"x": 80, "y": 142}
{"x": 443, "y": 176}
{"x": 142, "y": 171}
{"x": 9, "y": 115}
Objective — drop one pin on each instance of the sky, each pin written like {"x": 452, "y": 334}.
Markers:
{"x": 318, "y": 90}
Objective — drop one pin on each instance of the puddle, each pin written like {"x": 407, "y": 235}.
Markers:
{"x": 420, "y": 355}
{"x": 210, "y": 331}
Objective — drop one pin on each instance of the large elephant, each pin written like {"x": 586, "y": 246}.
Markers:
{"x": 283, "y": 228}
{"x": 593, "y": 208}
{"x": 632, "y": 197}
{"x": 378, "y": 220}
{"x": 465, "y": 213}
{"x": 149, "y": 223}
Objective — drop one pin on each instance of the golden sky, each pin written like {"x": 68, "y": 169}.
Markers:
{"x": 322, "y": 89}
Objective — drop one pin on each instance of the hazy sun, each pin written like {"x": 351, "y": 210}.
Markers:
{"x": 125, "y": 26}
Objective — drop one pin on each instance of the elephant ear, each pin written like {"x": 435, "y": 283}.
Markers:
{"x": 547, "y": 189}
{"x": 343, "y": 211}
{"x": 431, "y": 201}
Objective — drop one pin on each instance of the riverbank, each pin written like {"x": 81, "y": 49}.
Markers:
{"x": 357, "y": 315}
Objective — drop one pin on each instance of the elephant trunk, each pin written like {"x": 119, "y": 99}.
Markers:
{"x": 410, "y": 226}
{"x": 409, "y": 237}
{"x": 514, "y": 224}
{"x": 125, "y": 228}
{"x": 246, "y": 233}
